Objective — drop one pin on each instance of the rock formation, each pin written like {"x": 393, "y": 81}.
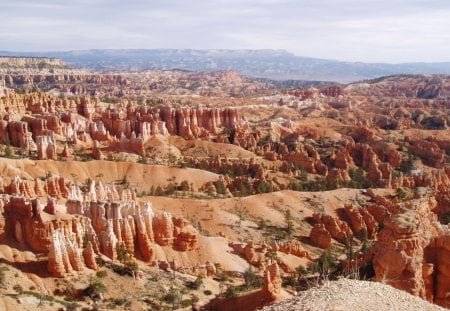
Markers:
{"x": 272, "y": 281}
{"x": 338, "y": 229}
{"x": 409, "y": 251}
{"x": 320, "y": 236}
{"x": 89, "y": 256}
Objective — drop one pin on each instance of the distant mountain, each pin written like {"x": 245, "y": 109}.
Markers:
{"x": 271, "y": 64}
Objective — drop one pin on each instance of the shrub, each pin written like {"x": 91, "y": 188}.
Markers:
{"x": 326, "y": 263}
{"x": 171, "y": 188}
{"x": 359, "y": 179}
{"x": 2, "y": 275}
{"x": 207, "y": 292}
{"x": 243, "y": 190}
{"x": 95, "y": 288}
{"x": 132, "y": 266}
{"x": 231, "y": 292}
{"x": 407, "y": 165}
{"x": 252, "y": 280}
{"x": 222, "y": 276}
{"x": 289, "y": 222}
{"x": 8, "y": 151}
{"x": 289, "y": 281}
{"x": 123, "y": 254}
{"x": 172, "y": 297}
{"x": 349, "y": 249}
{"x": 446, "y": 218}
{"x": 195, "y": 284}
{"x": 101, "y": 273}
{"x": 158, "y": 191}
{"x": 194, "y": 298}
{"x": 220, "y": 187}
{"x": 18, "y": 288}
{"x": 364, "y": 240}
{"x": 186, "y": 303}
{"x": 142, "y": 160}
{"x": 401, "y": 193}
{"x": 264, "y": 187}
{"x": 184, "y": 185}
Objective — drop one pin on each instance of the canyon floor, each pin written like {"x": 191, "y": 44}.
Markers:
{"x": 166, "y": 190}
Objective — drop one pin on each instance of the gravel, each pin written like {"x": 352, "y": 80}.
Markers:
{"x": 353, "y": 295}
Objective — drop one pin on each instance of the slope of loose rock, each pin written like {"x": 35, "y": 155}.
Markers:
{"x": 346, "y": 294}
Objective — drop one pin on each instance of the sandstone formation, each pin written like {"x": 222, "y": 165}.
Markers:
{"x": 272, "y": 281}
{"x": 409, "y": 251}
{"x": 338, "y": 229}
{"x": 320, "y": 236}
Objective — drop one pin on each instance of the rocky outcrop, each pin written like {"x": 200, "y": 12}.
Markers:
{"x": 124, "y": 127}
{"x": 337, "y": 228}
{"x": 361, "y": 219}
{"x": 254, "y": 254}
{"x": 441, "y": 270}
{"x": 30, "y": 225}
{"x": 428, "y": 152}
{"x": 19, "y": 135}
{"x": 124, "y": 221}
{"x": 320, "y": 236}
{"x": 46, "y": 147}
{"x": 272, "y": 281}
{"x": 185, "y": 236}
{"x": 407, "y": 253}
{"x": 144, "y": 237}
{"x": 53, "y": 186}
{"x": 293, "y": 247}
{"x": 89, "y": 256}
{"x": 332, "y": 91}
{"x": 99, "y": 219}
{"x": 64, "y": 255}
{"x": 163, "y": 229}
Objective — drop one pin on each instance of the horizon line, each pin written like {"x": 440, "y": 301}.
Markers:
{"x": 206, "y": 49}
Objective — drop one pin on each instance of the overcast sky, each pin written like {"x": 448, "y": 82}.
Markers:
{"x": 352, "y": 30}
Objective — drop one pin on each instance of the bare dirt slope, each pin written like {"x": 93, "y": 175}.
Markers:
{"x": 140, "y": 176}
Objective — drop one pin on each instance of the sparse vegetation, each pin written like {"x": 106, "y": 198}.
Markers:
{"x": 95, "y": 289}
{"x": 3, "y": 269}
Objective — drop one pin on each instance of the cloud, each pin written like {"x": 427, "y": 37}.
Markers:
{"x": 393, "y": 31}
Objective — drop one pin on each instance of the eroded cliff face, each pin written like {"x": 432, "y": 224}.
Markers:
{"x": 411, "y": 246}
{"x": 30, "y": 225}
{"x": 126, "y": 127}
{"x": 410, "y": 252}
{"x": 95, "y": 223}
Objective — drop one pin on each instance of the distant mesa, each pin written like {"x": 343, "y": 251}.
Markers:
{"x": 271, "y": 64}
{"x": 31, "y": 62}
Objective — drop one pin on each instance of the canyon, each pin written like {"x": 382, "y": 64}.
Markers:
{"x": 212, "y": 190}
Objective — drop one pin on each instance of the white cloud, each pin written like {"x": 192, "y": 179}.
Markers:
{"x": 353, "y": 30}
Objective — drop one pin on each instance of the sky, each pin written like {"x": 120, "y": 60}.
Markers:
{"x": 392, "y": 31}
